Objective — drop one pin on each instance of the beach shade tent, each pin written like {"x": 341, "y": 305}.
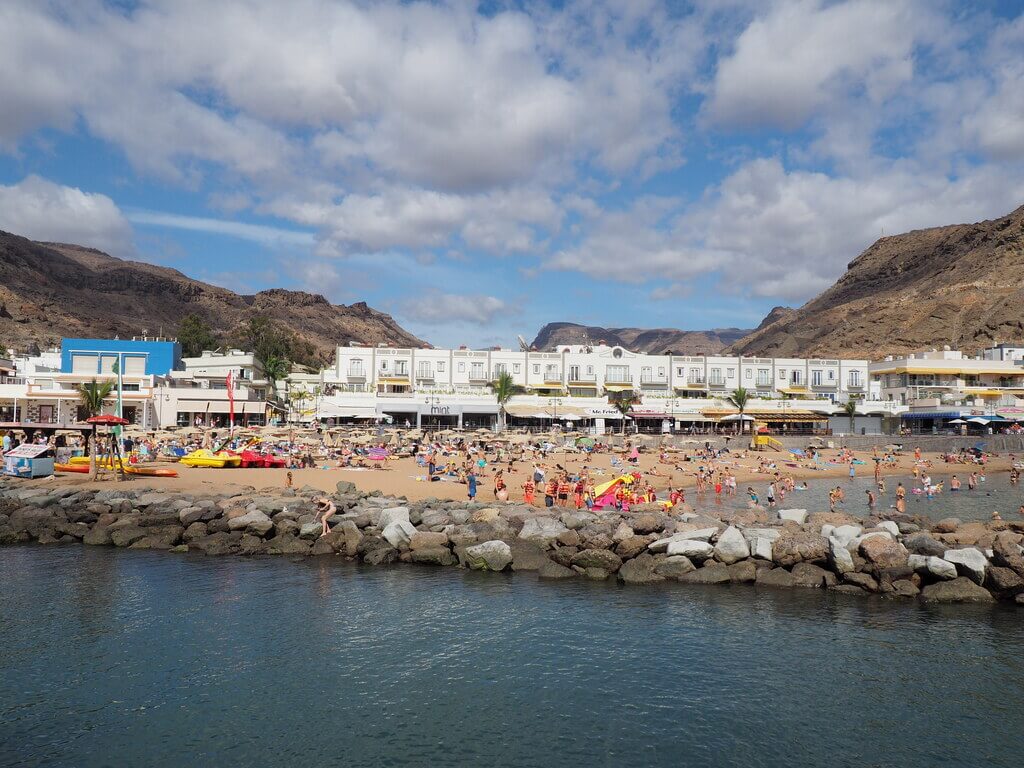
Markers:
{"x": 978, "y": 420}
{"x": 738, "y": 417}
{"x": 957, "y": 421}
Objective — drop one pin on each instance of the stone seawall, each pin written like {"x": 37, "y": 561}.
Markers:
{"x": 896, "y": 556}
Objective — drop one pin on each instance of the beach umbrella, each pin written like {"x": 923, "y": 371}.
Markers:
{"x": 978, "y": 420}
{"x": 956, "y": 421}
{"x": 738, "y": 417}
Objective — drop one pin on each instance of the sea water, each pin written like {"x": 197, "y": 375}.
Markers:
{"x": 119, "y": 658}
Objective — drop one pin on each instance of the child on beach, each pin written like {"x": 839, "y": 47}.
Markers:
{"x": 529, "y": 488}
{"x": 471, "y": 483}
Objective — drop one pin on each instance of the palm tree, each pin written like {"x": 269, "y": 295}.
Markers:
{"x": 276, "y": 368}
{"x": 623, "y": 402}
{"x": 850, "y": 409}
{"x": 92, "y": 396}
{"x": 504, "y": 387}
{"x": 738, "y": 400}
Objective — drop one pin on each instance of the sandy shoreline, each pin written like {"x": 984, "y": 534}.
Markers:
{"x": 403, "y": 477}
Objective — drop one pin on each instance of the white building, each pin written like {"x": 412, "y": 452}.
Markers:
{"x": 453, "y": 386}
{"x": 949, "y": 377}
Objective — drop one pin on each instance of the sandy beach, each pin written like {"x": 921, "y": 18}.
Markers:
{"x": 403, "y": 477}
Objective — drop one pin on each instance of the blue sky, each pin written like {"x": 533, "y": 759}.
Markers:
{"x": 477, "y": 170}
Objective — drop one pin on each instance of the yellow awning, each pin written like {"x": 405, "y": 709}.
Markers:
{"x": 583, "y": 384}
{"x": 985, "y": 392}
{"x": 618, "y": 387}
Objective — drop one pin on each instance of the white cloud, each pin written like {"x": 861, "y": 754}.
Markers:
{"x": 804, "y": 54}
{"x": 41, "y": 210}
{"x": 258, "y": 233}
{"x": 437, "y": 308}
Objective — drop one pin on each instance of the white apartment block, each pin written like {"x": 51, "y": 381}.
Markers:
{"x": 949, "y": 377}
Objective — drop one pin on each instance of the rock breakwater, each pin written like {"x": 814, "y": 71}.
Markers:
{"x": 895, "y": 556}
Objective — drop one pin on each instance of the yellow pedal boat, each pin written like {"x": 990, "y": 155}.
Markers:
{"x": 207, "y": 458}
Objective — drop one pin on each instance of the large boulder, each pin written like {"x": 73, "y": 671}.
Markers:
{"x": 433, "y": 556}
{"x": 969, "y": 562}
{"x": 959, "y": 590}
{"x": 883, "y": 552}
{"x": 399, "y": 533}
{"x": 839, "y": 558}
{"x": 923, "y": 544}
{"x": 794, "y": 547}
{"x": 254, "y": 522}
{"x": 844, "y": 534}
{"x": 597, "y": 558}
{"x": 552, "y": 570}
{"x": 345, "y": 488}
{"x": 810, "y": 575}
{"x": 731, "y": 547}
{"x": 640, "y": 570}
{"x": 574, "y": 519}
{"x": 798, "y": 516}
{"x": 392, "y": 515}
{"x": 674, "y": 567}
{"x": 489, "y": 556}
{"x": 946, "y": 525}
{"x": 1004, "y": 581}
{"x": 427, "y": 540}
{"x": 542, "y": 530}
{"x": 691, "y": 548}
{"x": 743, "y": 572}
{"x": 649, "y": 522}
{"x": 527, "y": 556}
{"x": 98, "y": 536}
{"x": 1006, "y": 552}
{"x": 775, "y": 577}
{"x": 940, "y": 568}
{"x": 712, "y": 573}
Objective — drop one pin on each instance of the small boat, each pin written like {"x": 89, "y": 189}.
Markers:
{"x": 151, "y": 471}
{"x": 79, "y": 468}
{"x": 204, "y": 457}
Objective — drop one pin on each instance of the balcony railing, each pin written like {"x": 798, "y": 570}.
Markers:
{"x": 356, "y": 373}
{"x": 618, "y": 379}
{"x": 650, "y": 378}
{"x": 425, "y": 375}
{"x": 713, "y": 382}
{"x": 477, "y": 374}
{"x": 582, "y": 378}
{"x": 553, "y": 377}
{"x": 12, "y": 380}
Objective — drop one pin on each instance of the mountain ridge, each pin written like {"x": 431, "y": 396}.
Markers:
{"x": 49, "y": 290}
{"x": 648, "y": 340}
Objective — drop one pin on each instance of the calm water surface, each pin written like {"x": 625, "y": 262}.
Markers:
{"x": 114, "y": 658}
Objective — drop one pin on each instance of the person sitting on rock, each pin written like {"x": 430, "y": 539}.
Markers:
{"x": 325, "y": 509}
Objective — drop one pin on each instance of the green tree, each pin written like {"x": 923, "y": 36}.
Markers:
{"x": 504, "y": 388}
{"x": 850, "y": 409}
{"x": 623, "y": 402}
{"x": 276, "y": 368}
{"x": 91, "y": 396}
{"x": 195, "y": 335}
{"x": 738, "y": 400}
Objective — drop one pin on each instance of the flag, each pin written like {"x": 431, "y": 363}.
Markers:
{"x": 231, "y": 398}
{"x": 116, "y": 368}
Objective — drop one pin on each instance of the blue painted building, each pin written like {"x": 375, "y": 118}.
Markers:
{"x": 136, "y": 358}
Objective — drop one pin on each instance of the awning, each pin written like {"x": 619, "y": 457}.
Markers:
{"x": 618, "y": 387}
{"x": 935, "y": 415}
{"x": 328, "y": 411}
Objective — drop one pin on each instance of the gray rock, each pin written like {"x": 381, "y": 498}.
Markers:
{"x": 392, "y": 515}
{"x": 98, "y": 536}
{"x": 674, "y": 567}
{"x": 527, "y": 556}
{"x": 890, "y": 526}
{"x": 923, "y": 544}
{"x": 798, "y": 516}
{"x": 255, "y": 522}
{"x": 552, "y": 570}
{"x": 574, "y": 519}
{"x": 862, "y": 580}
{"x": 433, "y": 556}
{"x": 597, "y": 558}
{"x": 809, "y": 575}
{"x": 640, "y": 570}
{"x": 839, "y": 557}
{"x": 761, "y": 548}
{"x": 731, "y": 547}
{"x": 399, "y": 533}
{"x": 346, "y": 488}
{"x": 776, "y": 577}
{"x": 969, "y": 562}
{"x": 712, "y": 573}
{"x": 489, "y": 556}
{"x": 940, "y": 568}
{"x": 691, "y": 548}
{"x": 542, "y": 530}
{"x": 793, "y": 547}
{"x": 743, "y": 572}
{"x": 959, "y": 590}
{"x": 699, "y": 534}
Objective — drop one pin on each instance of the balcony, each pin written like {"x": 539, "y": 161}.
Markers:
{"x": 552, "y": 377}
{"x": 855, "y": 384}
{"x": 356, "y": 374}
{"x": 582, "y": 378}
{"x": 424, "y": 375}
{"x": 477, "y": 374}
{"x": 652, "y": 379}
{"x": 716, "y": 383}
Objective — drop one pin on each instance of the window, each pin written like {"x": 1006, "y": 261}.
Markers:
{"x": 661, "y": 371}
{"x": 680, "y": 372}
{"x": 715, "y": 376}
{"x": 764, "y": 377}
{"x": 401, "y": 367}
{"x": 831, "y": 375}
{"x": 590, "y": 370}
{"x": 782, "y": 374}
{"x": 748, "y": 374}
{"x": 730, "y": 373}
{"x": 383, "y": 365}
{"x": 798, "y": 377}
{"x": 476, "y": 371}
{"x": 135, "y": 365}
{"x": 696, "y": 376}
{"x": 499, "y": 368}
{"x": 440, "y": 366}
{"x": 423, "y": 370}
{"x": 83, "y": 363}
{"x": 536, "y": 369}
{"x": 815, "y": 378}
{"x": 107, "y": 363}
{"x": 462, "y": 367}
{"x": 617, "y": 374}
{"x": 551, "y": 373}
{"x": 183, "y": 419}
{"x": 355, "y": 367}
{"x": 516, "y": 367}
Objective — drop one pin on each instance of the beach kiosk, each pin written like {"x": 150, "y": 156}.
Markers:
{"x": 29, "y": 460}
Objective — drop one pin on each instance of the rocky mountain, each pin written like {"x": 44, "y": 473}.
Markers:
{"x": 657, "y": 341}
{"x": 50, "y": 290}
{"x": 961, "y": 285}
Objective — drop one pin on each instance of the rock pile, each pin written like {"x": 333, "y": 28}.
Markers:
{"x": 895, "y": 556}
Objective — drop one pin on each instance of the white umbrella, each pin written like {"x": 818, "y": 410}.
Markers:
{"x": 978, "y": 420}
{"x": 956, "y": 421}
{"x": 738, "y": 417}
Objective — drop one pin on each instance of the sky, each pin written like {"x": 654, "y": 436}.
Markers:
{"x": 479, "y": 169}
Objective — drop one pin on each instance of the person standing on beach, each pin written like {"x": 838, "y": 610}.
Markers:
{"x": 471, "y": 482}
